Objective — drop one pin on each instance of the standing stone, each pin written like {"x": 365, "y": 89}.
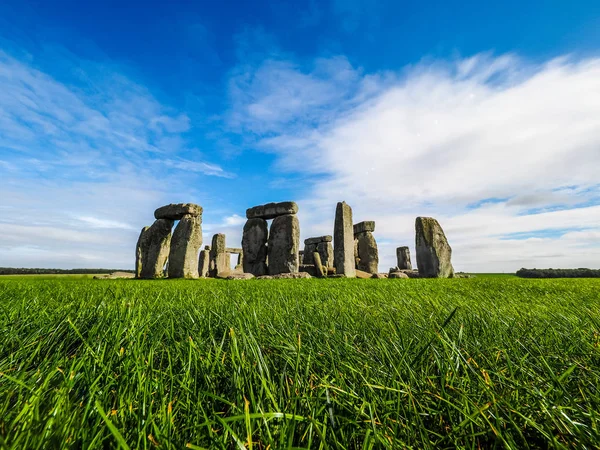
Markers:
{"x": 139, "y": 255}
{"x": 309, "y": 249}
{"x": 284, "y": 244}
{"x": 320, "y": 271}
{"x": 186, "y": 241}
{"x": 433, "y": 251}
{"x": 325, "y": 249}
{"x": 204, "y": 263}
{"x": 368, "y": 255}
{"x": 403, "y": 256}
{"x": 254, "y": 247}
{"x": 153, "y": 246}
{"x": 219, "y": 258}
{"x": 343, "y": 241}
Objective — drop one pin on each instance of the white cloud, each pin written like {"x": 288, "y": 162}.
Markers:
{"x": 440, "y": 139}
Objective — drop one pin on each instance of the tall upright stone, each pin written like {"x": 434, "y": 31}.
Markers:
{"x": 284, "y": 245}
{"x": 433, "y": 251}
{"x": 185, "y": 244}
{"x": 321, "y": 244}
{"x": 368, "y": 255}
{"x": 203, "y": 263}
{"x": 325, "y": 250}
{"x": 153, "y": 249}
{"x": 219, "y": 258}
{"x": 343, "y": 241}
{"x": 403, "y": 257}
{"x": 254, "y": 247}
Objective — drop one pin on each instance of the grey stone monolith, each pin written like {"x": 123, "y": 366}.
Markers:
{"x": 325, "y": 249}
{"x": 403, "y": 257}
{"x": 368, "y": 255}
{"x": 176, "y": 211}
{"x": 185, "y": 244}
{"x": 153, "y": 248}
{"x": 343, "y": 241}
{"x": 203, "y": 263}
{"x": 433, "y": 251}
{"x": 271, "y": 210}
{"x": 219, "y": 258}
{"x": 254, "y": 247}
{"x": 139, "y": 255}
{"x": 284, "y": 245}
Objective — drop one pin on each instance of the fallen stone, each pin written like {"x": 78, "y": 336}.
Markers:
{"x": 176, "y": 211}
{"x": 271, "y": 210}
{"x": 223, "y": 275}
{"x": 397, "y": 275}
{"x": 337, "y": 275}
{"x": 203, "y": 263}
{"x": 331, "y": 271}
{"x": 233, "y": 250}
{"x": 280, "y": 276}
{"x": 185, "y": 244}
{"x": 240, "y": 276}
{"x": 320, "y": 271}
{"x": 368, "y": 255}
{"x": 154, "y": 243}
{"x": 403, "y": 257}
{"x": 219, "y": 258}
{"x": 265, "y": 277}
{"x": 433, "y": 251}
{"x": 317, "y": 240}
{"x": 362, "y": 227}
{"x": 283, "y": 245}
{"x": 254, "y": 246}
{"x": 362, "y": 274}
{"x": 379, "y": 275}
{"x": 343, "y": 237}
{"x": 410, "y": 273}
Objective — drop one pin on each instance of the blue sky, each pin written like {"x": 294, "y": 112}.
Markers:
{"x": 484, "y": 116}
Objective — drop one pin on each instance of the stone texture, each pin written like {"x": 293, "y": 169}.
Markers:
{"x": 153, "y": 247}
{"x": 362, "y": 274}
{"x": 239, "y": 265}
{"x": 203, "y": 263}
{"x": 185, "y": 244}
{"x": 271, "y": 210}
{"x": 139, "y": 256}
{"x": 233, "y": 250}
{"x": 264, "y": 277}
{"x": 403, "y": 257}
{"x": 325, "y": 249}
{"x": 368, "y": 255}
{"x": 254, "y": 246}
{"x": 379, "y": 275}
{"x": 433, "y": 251}
{"x": 362, "y": 227}
{"x": 240, "y": 276}
{"x": 343, "y": 240}
{"x": 397, "y": 275}
{"x": 310, "y": 269}
{"x": 320, "y": 271}
{"x": 176, "y": 211}
{"x": 219, "y": 258}
{"x": 283, "y": 246}
{"x": 307, "y": 255}
{"x": 317, "y": 240}
{"x": 291, "y": 275}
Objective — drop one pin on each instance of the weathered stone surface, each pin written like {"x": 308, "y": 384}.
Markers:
{"x": 240, "y": 276}
{"x": 271, "y": 210}
{"x": 397, "y": 275}
{"x": 411, "y": 273}
{"x": 433, "y": 251}
{"x": 368, "y": 255}
{"x": 320, "y": 271}
{"x": 317, "y": 240}
{"x": 223, "y": 275}
{"x": 186, "y": 241}
{"x": 307, "y": 257}
{"x": 153, "y": 247}
{"x": 330, "y": 271}
{"x": 343, "y": 240}
{"x": 308, "y": 268}
{"x": 362, "y": 227}
{"x": 176, "y": 211}
{"x": 362, "y": 274}
{"x": 239, "y": 265}
{"x": 139, "y": 256}
{"x": 283, "y": 246}
{"x": 233, "y": 250}
{"x": 291, "y": 275}
{"x": 379, "y": 275}
{"x": 325, "y": 249}
{"x": 254, "y": 246}
{"x": 403, "y": 257}
{"x": 203, "y": 263}
{"x": 207, "y": 247}
{"x": 219, "y": 258}
{"x": 265, "y": 277}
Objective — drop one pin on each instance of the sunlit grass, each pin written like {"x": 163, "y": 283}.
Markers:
{"x": 339, "y": 363}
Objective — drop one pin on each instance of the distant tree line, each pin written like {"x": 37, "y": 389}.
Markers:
{"x": 25, "y": 271}
{"x": 558, "y": 273}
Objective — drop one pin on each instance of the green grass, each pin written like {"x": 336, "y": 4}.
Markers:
{"x": 483, "y": 362}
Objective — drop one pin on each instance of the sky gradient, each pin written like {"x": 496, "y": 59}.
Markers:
{"x": 485, "y": 117}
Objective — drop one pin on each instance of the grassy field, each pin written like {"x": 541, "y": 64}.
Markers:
{"x": 484, "y": 362}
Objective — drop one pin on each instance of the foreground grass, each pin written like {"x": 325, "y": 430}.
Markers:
{"x": 485, "y": 362}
